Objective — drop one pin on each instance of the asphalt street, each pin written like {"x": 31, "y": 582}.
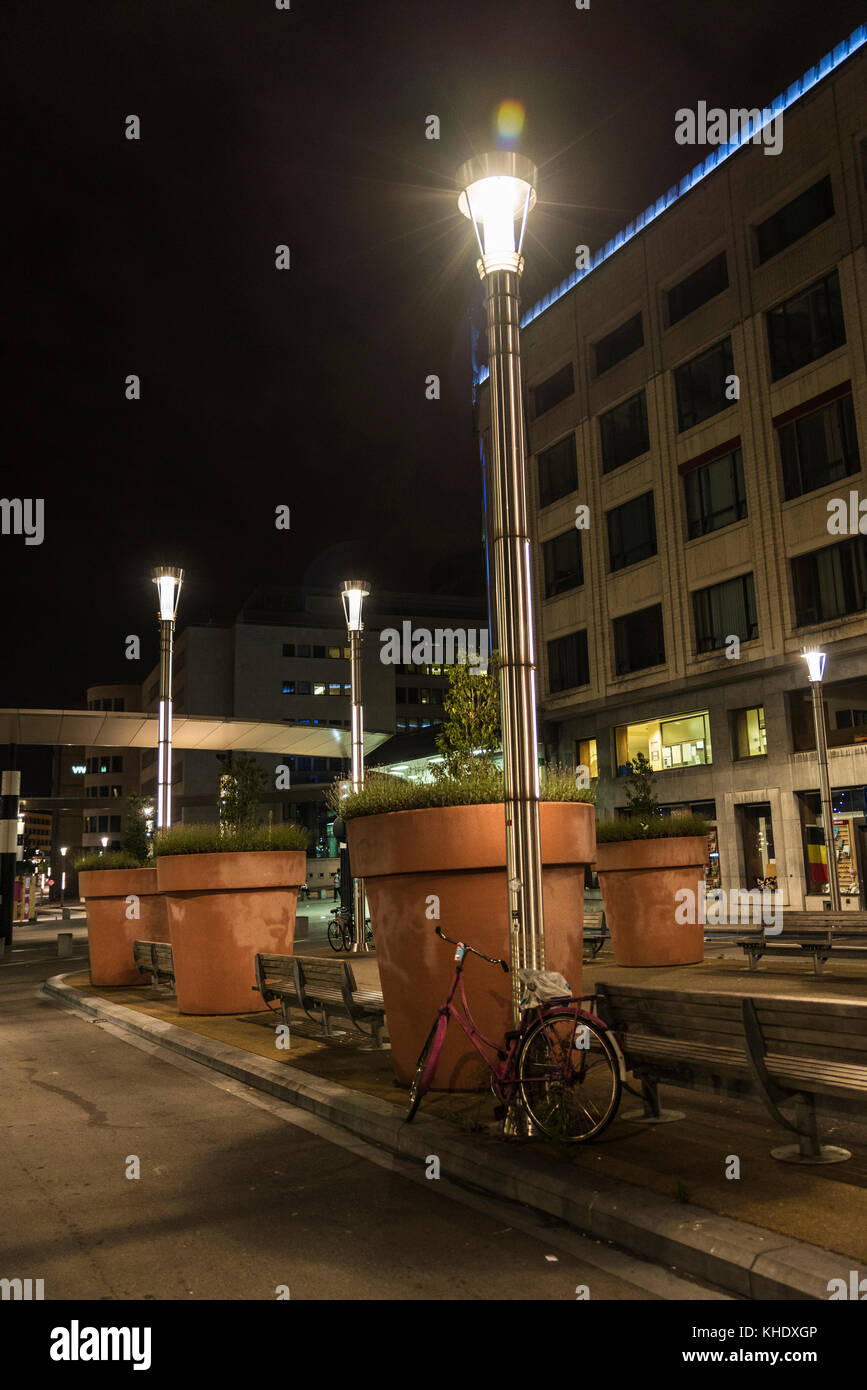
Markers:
{"x": 239, "y": 1196}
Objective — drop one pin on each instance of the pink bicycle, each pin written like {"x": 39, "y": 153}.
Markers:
{"x": 562, "y": 1064}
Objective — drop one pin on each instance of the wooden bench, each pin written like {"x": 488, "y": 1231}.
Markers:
{"x": 799, "y": 1050}
{"x": 325, "y": 987}
{"x": 154, "y": 958}
{"x": 819, "y": 943}
{"x": 595, "y": 932}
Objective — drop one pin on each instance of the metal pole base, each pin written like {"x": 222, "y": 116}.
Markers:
{"x": 517, "y": 1123}
{"x": 665, "y": 1117}
{"x": 828, "y": 1153}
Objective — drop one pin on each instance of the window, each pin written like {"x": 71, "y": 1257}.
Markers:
{"x": 117, "y": 764}
{"x": 334, "y": 653}
{"x": 715, "y": 495}
{"x": 347, "y": 653}
{"x": 104, "y": 764}
{"x": 831, "y": 582}
{"x": 114, "y": 822}
{"x": 624, "y": 432}
{"x": 704, "y": 284}
{"x": 615, "y": 346}
{"x": 639, "y": 640}
{"x": 749, "y": 739}
{"x": 567, "y": 662}
{"x": 116, "y": 789}
{"x": 585, "y": 749}
{"x": 723, "y": 611}
{"x": 318, "y": 687}
{"x": 806, "y": 327}
{"x": 347, "y": 687}
{"x": 335, "y": 688}
{"x": 90, "y": 825}
{"x": 551, "y": 392}
{"x": 700, "y": 385}
{"x": 288, "y": 687}
{"x": 103, "y": 822}
{"x": 302, "y": 687}
{"x": 318, "y": 651}
{"x": 288, "y": 648}
{"x": 563, "y": 565}
{"x": 558, "y": 471}
{"x": 819, "y": 448}
{"x": 631, "y": 532}
{"x": 400, "y": 695}
{"x": 795, "y": 220}
{"x": 303, "y": 649}
{"x": 104, "y": 791}
{"x": 681, "y": 740}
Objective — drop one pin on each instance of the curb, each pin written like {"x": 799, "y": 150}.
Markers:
{"x": 748, "y": 1261}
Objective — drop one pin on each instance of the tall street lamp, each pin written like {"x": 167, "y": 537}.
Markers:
{"x": 354, "y": 592}
{"x": 168, "y": 579}
{"x": 816, "y": 668}
{"x": 63, "y": 849}
{"x": 497, "y": 194}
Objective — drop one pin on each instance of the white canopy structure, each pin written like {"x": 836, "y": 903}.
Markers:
{"x": 124, "y": 729}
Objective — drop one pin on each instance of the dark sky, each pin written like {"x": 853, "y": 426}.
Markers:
{"x": 303, "y": 387}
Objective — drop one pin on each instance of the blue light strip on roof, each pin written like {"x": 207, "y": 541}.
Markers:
{"x": 780, "y": 103}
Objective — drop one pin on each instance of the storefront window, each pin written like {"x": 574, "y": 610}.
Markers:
{"x": 683, "y": 741}
{"x": 586, "y": 750}
{"x": 757, "y": 838}
{"x": 850, "y": 841}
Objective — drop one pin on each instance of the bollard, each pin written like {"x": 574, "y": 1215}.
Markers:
{"x": 65, "y": 914}
{"x": 64, "y": 943}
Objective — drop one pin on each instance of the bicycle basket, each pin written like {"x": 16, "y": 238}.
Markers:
{"x": 541, "y": 986}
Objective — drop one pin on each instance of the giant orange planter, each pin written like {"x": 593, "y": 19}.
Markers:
{"x": 640, "y": 882}
{"x": 123, "y": 906}
{"x": 222, "y": 909}
{"x": 451, "y": 861}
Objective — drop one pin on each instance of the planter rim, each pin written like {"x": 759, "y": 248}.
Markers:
{"x": 468, "y": 806}
{"x": 661, "y": 852}
{"x": 232, "y": 870}
{"x": 108, "y": 881}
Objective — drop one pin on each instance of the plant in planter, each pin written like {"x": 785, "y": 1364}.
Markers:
{"x": 231, "y": 890}
{"x": 645, "y": 861}
{"x": 124, "y": 904}
{"x": 436, "y": 852}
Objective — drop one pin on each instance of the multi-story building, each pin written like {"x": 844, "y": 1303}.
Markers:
{"x": 110, "y": 774}
{"x": 701, "y": 392}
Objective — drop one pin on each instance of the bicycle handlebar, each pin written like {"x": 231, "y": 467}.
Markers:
{"x": 494, "y": 960}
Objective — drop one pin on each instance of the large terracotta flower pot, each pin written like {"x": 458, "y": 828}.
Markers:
{"x": 640, "y": 882}
{"x": 222, "y": 909}
{"x": 123, "y": 906}
{"x": 452, "y": 860}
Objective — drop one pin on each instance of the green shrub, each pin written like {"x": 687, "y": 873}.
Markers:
{"x": 642, "y": 799}
{"x": 135, "y": 839}
{"x": 114, "y": 859}
{"x": 241, "y": 783}
{"x": 384, "y": 792}
{"x": 610, "y": 832}
{"x": 214, "y": 839}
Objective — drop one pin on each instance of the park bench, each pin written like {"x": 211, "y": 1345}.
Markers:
{"x": 154, "y": 958}
{"x": 595, "y": 932}
{"x": 325, "y": 987}
{"x": 810, "y": 934}
{"x": 806, "y": 1051}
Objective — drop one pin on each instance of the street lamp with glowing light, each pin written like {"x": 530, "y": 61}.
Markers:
{"x": 353, "y": 594}
{"x": 815, "y": 660}
{"x": 168, "y": 579}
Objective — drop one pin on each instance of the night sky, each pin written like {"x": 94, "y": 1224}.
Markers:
{"x": 302, "y": 387}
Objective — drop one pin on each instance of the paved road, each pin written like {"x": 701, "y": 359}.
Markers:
{"x": 238, "y": 1193}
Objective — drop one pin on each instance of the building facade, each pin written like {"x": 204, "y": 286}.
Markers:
{"x": 696, "y": 409}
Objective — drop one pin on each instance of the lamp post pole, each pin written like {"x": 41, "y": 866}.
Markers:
{"x": 816, "y": 666}
{"x": 63, "y": 849}
{"x": 168, "y": 579}
{"x": 354, "y": 592}
{"x": 498, "y": 191}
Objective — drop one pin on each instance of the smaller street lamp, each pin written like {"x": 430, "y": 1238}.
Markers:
{"x": 63, "y": 849}
{"x": 104, "y": 843}
{"x": 353, "y": 594}
{"x": 168, "y": 579}
{"x": 815, "y": 660}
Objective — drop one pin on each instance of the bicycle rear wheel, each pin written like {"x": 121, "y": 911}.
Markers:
{"x": 569, "y": 1078}
{"x": 335, "y": 934}
{"x": 427, "y": 1063}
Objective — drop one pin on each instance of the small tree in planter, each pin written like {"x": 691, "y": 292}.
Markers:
{"x": 231, "y": 891}
{"x": 436, "y": 851}
{"x": 644, "y": 861}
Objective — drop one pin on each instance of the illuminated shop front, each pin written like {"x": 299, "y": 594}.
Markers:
{"x": 850, "y": 843}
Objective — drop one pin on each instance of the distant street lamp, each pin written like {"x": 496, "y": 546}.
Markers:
{"x": 104, "y": 843}
{"x": 816, "y": 667}
{"x": 63, "y": 849}
{"x": 353, "y": 594}
{"x": 497, "y": 194}
{"x": 168, "y": 579}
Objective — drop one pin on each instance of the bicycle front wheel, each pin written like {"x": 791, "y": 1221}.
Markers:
{"x": 427, "y": 1064}
{"x": 335, "y": 935}
{"x": 569, "y": 1078}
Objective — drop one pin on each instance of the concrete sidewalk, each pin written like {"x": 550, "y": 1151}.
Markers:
{"x": 661, "y": 1191}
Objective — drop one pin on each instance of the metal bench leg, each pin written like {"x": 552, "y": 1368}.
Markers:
{"x": 652, "y": 1114}
{"x": 284, "y": 1009}
{"x": 754, "y": 960}
{"x": 808, "y": 1149}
